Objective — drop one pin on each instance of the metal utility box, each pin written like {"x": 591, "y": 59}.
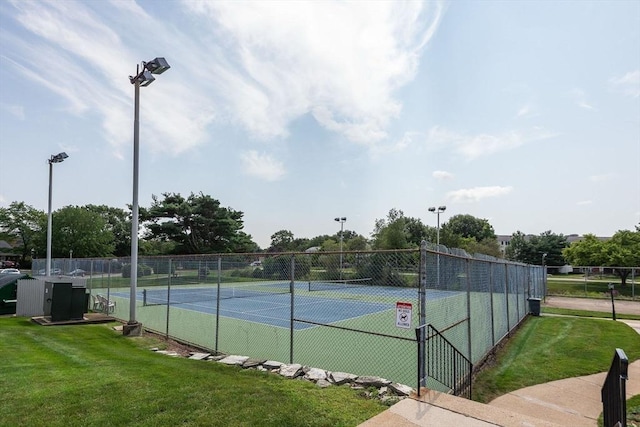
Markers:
{"x": 534, "y": 306}
{"x": 64, "y": 301}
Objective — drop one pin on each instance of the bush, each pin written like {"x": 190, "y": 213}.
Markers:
{"x": 143, "y": 270}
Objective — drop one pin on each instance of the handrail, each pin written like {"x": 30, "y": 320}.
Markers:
{"x": 614, "y": 391}
{"x": 443, "y": 362}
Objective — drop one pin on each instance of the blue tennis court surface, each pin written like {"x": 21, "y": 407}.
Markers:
{"x": 274, "y": 309}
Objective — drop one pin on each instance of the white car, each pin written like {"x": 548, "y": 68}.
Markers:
{"x": 10, "y": 271}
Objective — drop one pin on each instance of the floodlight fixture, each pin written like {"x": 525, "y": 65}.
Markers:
{"x": 157, "y": 65}
{"x": 58, "y": 158}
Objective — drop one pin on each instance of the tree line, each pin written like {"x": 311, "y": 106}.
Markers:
{"x": 199, "y": 224}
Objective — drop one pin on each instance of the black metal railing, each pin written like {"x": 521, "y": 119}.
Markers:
{"x": 614, "y": 390}
{"x": 442, "y": 361}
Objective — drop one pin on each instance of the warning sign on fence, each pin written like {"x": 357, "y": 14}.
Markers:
{"x": 403, "y": 315}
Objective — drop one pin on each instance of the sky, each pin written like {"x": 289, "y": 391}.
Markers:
{"x": 523, "y": 113}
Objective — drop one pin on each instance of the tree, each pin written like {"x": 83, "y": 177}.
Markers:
{"x": 472, "y": 234}
{"x": 622, "y": 250}
{"x": 118, "y": 221}
{"x": 398, "y": 231}
{"x": 197, "y": 224}
{"x": 281, "y": 241}
{"x": 78, "y": 229}
{"x": 22, "y": 224}
{"x": 531, "y": 249}
{"x": 468, "y": 226}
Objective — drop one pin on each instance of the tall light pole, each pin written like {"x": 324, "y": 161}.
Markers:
{"x": 437, "y": 212}
{"x": 142, "y": 78}
{"x": 341, "y": 220}
{"x": 58, "y": 158}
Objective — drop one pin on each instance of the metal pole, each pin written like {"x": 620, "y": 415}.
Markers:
{"x": 48, "y": 266}
{"x": 438, "y": 253}
{"x": 135, "y": 208}
{"x": 291, "y": 305}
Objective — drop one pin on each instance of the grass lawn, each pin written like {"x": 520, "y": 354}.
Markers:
{"x": 552, "y": 348}
{"x": 90, "y": 375}
{"x": 563, "y": 285}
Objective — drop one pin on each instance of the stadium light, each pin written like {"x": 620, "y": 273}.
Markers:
{"x": 437, "y": 212}
{"x": 142, "y": 78}
{"x": 341, "y": 220}
{"x": 58, "y": 158}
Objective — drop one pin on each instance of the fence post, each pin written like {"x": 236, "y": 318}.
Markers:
{"x": 291, "y": 290}
{"x": 506, "y": 294}
{"x": 422, "y": 356}
{"x": 168, "y": 299}
{"x": 468, "y": 277}
{"x": 422, "y": 381}
{"x": 218, "y": 301}
{"x": 493, "y": 327}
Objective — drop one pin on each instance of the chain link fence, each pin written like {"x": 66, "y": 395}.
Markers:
{"x": 355, "y": 312}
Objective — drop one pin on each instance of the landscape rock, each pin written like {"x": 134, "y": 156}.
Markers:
{"x": 367, "y": 381}
{"x": 315, "y": 374}
{"x": 234, "y": 360}
{"x": 272, "y": 364}
{"x": 199, "y": 356}
{"x": 291, "y": 371}
{"x": 252, "y": 363}
{"x": 400, "y": 389}
{"x": 339, "y": 378}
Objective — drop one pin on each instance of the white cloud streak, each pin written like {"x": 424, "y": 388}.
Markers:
{"x": 628, "y": 85}
{"x": 443, "y": 175}
{"x": 476, "y": 194}
{"x": 474, "y": 146}
{"x": 580, "y": 98}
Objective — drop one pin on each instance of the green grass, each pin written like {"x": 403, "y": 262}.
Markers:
{"x": 594, "y": 287}
{"x": 587, "y": 313}
{"x": 90, "y": 375}
{"x": 552, "y": 348}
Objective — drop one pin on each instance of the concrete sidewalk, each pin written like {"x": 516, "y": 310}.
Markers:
{"x": 568, "y": 402}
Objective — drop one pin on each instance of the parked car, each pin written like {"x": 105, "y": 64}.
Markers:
{"x": 10, "y": 271}
{"x": 54, "y": 272}
{"x": 77, "y": 272}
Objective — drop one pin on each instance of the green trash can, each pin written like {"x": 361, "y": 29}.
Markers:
{"x": 534, "y": 306}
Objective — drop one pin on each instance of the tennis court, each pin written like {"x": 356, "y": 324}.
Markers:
{"x": 270, "y": 303}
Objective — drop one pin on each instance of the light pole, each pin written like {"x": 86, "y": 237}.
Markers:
{"x": 341, "y": 220}
{"x": 58, "y": 158}
{"x": 437, "y": 211}
{"x": 142, "y": 78}
{"x": 70, "y": 259}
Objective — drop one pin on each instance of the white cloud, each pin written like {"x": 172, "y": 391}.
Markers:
{"x": 524, "y": 111}
{"x": 262, "y": 166}
{"x": 474, "y": 146}
{"x": 584, "y": 202}
{"x": 478, "y": 193}
{"x": 442, "y": 175}
{"x": 338, "y": 61}
{"x": 629, "y": 84}
{"x": 580, "y": 98}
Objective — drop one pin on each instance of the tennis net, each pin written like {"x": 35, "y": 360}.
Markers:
{"x": 329, "y": 285}
{"x": 181, "y": 295}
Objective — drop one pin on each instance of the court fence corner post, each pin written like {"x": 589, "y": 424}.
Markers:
{"x": 292, "y": 292}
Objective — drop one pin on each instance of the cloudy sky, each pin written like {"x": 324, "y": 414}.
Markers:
{"x": 524, "y": 113}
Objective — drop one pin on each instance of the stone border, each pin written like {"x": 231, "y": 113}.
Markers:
{"x": 372, "y": 387}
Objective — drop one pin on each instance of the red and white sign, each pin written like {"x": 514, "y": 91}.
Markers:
{"x": 403, "y": 315}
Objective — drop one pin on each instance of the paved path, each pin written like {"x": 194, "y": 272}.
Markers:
{"x": 569, "y": 402}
